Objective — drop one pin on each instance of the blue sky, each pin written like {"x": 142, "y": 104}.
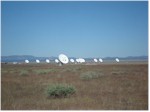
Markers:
{"x": 80, "y": 29}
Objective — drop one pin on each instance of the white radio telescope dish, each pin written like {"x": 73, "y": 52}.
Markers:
{"x": 63, "y": 59}
{"x": 117, "y": 60}
{"x": 14, "y": 62}
{"x": 72, "y": 60}
{"x": 56, "y": 60}
{"x": 100, "y": 60}
{"x": 26, "y": 61}
{"x": 37, "y": 61}
{"x": 47, "y": 61}
{"x": 81, "y": 60}
{"x": 95, "y": 60}
{"x": 77, "y": 60}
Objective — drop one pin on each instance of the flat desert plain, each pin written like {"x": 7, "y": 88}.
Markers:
{"x": 118, "y": 86}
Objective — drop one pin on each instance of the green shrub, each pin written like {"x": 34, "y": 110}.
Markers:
{"x": 60, "y": 90}
{"x": 44, "y": 71}
{"x": 4, "y": 71}
{"x": 71, "y": 69}
{"x": 24, "y": 73}
{"x": 11, "y": 71}
{"x": 90, "y": 75}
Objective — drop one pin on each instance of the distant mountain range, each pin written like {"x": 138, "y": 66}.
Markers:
{"x": 21, "y": 58}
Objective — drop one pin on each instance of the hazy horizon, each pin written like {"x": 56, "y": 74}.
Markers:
{"x": 80, "y": 57}
{"x": 77, "y": 29}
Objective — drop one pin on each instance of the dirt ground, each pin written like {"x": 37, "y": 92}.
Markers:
{"x": 119, "y": 87}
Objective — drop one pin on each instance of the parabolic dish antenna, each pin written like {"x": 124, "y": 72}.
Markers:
{"x": 77, "y": 60}
{"x": 56, "y": 60}
{"x": 63, "y": 59}
{"x": 26, "y": 61}
{"x": 81, "y": 60}
{"x": 47, "y": 61}
{"x": 95, "y": 60}
{"x": 14, "y": 62}
{"x": 117, "y": 60}
{"x": 100, "y": 60}
{"x": 72, "y": 60}
{"x": 37, "y": 61}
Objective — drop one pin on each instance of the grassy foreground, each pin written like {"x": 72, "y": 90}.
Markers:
{"x": 98, "y": 87}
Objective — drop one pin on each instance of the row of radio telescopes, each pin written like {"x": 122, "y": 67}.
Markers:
{"x": 63, "y": 59}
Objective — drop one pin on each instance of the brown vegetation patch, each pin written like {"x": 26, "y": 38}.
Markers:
{"x": 122, "y": 87}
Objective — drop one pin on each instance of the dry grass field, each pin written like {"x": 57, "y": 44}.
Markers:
{"x": 117, "y": 87}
